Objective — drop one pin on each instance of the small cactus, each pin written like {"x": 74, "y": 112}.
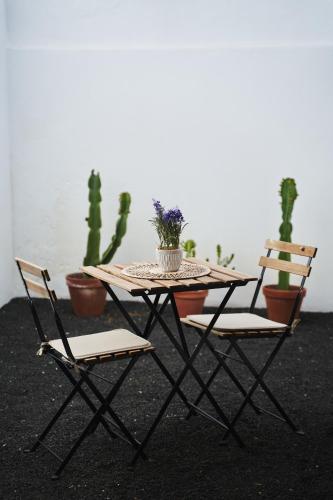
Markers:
{"x": 288, "y": 193}
{"x": 94, "y": 221}
{"x": 225, "y": 261}
{"x": 189, "y": 247}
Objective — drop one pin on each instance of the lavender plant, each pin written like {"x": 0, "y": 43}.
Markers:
{"x": 169, "y": 225}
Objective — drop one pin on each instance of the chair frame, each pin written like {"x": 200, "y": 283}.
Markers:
{"x": 223, "y": 357}
{"x": 79, "y": 373}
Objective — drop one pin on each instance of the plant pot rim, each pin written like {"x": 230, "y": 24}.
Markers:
{"x": 169, "y": 249}
{"x": 192, "y": 294}
{"x": 274, "y": 291}
{"x": 81, "y": 280}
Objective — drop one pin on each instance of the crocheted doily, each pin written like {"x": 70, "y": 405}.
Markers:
{"x": 152, "y": 271}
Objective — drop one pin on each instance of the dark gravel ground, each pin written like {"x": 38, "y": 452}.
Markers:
{"x": 186, "y": 460}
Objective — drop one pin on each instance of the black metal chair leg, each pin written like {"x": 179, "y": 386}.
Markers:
{"x": 222, "y": 362}
{"x": 84, "y": 396}
{"x": 105, "y": 407}
{"x": 259, "y": 378}
{"x": 49, "y": 426}
{"x": 259, "y": 381}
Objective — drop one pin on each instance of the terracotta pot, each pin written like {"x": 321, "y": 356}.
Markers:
{"x": 281, "y": 302}
{"x": 190, "y": 302}
{"x": 88, "y": 295}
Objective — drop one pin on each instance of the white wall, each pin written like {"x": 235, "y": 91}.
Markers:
{"x": 6, "y": 263}
{"x": 205, "y": 104}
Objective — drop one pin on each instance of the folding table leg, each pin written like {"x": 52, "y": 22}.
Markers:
{"x": 151, "y": 322}
{"x": 259, "y": 381}
{"x": 189, "y": 367}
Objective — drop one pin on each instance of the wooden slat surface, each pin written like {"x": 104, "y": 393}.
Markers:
{"x": 218, "y": 277}
{"x": 31, "y": 268}
{"x": 294, "y": 248}
{"x": 157, "y": 284}
{"x": 207, "y": 279}
{"x": 116, "y": 271}
{"x": 223, "y": 270}
{"x": 112, "y": 280}
{"x": 284, "y": 265}
{"x": 38, "y": 288}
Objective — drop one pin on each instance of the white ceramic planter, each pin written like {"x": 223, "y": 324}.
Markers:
{"x": 169, "y": 260}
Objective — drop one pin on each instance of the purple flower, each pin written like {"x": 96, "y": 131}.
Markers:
{"x": 173, "y": 215}
{"x": 158, "y": 207}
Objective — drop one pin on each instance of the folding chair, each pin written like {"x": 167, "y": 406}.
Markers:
{"x": 77, "y": 357}
{"x": 233, "y": 327}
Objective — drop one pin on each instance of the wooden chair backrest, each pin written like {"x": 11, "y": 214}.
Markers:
{"x": 42, "y": 289}
{"x": 283, "y": 265}
{"x": 39, "y": 287}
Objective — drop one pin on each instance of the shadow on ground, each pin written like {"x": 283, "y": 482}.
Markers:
{"x": 186, "y": 459}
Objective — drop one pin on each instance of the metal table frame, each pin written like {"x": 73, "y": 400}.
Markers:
{"x": 156, "y": 310}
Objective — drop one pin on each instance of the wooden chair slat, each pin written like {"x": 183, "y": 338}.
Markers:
{"x": 283, "y": 265}
{"x": 293, "y": 248}
{"x": 31, "y": 268}
{"x": 39, "y": 288}
{"x": 112, "y": 280}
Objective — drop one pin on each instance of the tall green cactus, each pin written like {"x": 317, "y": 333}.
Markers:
{"x": 94, "y": 221}
{"x": 288, "y": 195}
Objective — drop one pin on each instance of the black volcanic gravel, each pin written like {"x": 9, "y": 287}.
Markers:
{"x": 186, "y": 460}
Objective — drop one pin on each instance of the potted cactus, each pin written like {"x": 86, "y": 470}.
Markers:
{"x": 280, "y": 298}
{"x": 193, "y": 302}
{"x": 88, "y": 295}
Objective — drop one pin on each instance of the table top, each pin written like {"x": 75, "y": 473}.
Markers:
{"x": 219, "y": 277}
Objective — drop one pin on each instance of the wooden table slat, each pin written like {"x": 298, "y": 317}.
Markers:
{"x": 222, "y": 277}
{"x": 116, "y": 271}
{"x": 112, "y": 280}
{"x": 169, "y": 284}
{"x": 221, "y": 269}
{"x": 207, "y": 279}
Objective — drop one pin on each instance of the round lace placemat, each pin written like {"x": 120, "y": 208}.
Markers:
{"x": 152, "y": 271}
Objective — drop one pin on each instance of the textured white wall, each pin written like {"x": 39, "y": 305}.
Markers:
{"x": 6, "y": 262}
{"x": 202, "y": 104}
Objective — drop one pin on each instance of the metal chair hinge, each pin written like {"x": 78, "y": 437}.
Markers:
{"x": 42, "y": 348}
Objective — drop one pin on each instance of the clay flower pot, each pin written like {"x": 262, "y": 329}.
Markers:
{"x": 280, "y": 303}
{"x": 88, "y": 295}
{"x": 190, "y": 302}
